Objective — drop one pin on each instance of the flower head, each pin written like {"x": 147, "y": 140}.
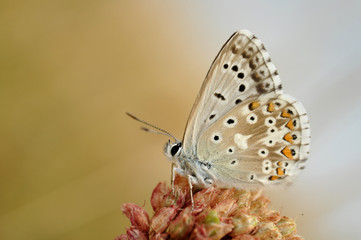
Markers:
{"x": 217, "y": 214}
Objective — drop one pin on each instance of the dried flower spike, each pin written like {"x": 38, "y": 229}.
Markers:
{"x": 218, "y": 214}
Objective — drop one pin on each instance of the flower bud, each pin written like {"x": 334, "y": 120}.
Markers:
{"x": 270, "y": 216}
{"x": 287, "y": 227}
{"x": 181, "y": 227}
{"x": 245, "y": 237}
{"x": 159, "y": 236}
{"x": 244, "y": 224}
{"x": 212, "y": 227}
{"x": 138, "y": 216}
{"x": 205, "y": 198}
{"x": 225, "y": 194}
{"x": 136, "y": 234}
{"x": 211, "y": 231}
{"x": 158, "y": 195}
{"x": 268, "y": 231}
{"x": 295, "y": 237}
{"x": 162, "y": 218}
{"x": 226, "y": 207}
{"x": 259, "y": 205}
{"x": 178, "y": 198}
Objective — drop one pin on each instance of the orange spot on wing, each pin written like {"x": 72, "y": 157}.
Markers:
{"x": 290, "y": 125}
{"x": 288, "y": 138}
{"x": 272, "y": 178}
{"x": 280, "y": 172}
{"x": 285, "y": 114}
{"x": 287, "y": 152}
{"x": 279, "y": 164}
{"x": 254, "y": 105}
{"x": 271, "y": 107}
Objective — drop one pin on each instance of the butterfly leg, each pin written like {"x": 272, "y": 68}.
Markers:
{"x": 173, "y": 177}
{"x": 191, "y": 189}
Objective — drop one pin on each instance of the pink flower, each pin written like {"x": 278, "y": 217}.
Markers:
{"x": 217, "y": 214}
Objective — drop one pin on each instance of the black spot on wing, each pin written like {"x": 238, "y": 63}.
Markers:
{"x": 238, "y": 101}
{"x": 235, "y": 68}
{"x": 220, "y": 96}
{"x": 240, "y": 75}
{"x": 241, "y": 88}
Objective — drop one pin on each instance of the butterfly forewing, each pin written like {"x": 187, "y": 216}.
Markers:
{"x": 242, "y": 70}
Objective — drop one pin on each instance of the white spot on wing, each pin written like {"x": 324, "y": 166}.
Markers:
{"x": 252, "y": 118}
{"x": 270, "y": 121}
{"x": 263, "y": 152}
{"x": 241, "y": 140}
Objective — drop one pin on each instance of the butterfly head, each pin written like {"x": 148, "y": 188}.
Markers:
{"x": 173, "y": 149}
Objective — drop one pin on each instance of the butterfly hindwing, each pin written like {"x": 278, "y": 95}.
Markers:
{"x": 261, "y": 140}
{"x": 241, "y": 70}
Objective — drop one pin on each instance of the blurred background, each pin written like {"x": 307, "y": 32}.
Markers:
{"x": 69, "y": 70}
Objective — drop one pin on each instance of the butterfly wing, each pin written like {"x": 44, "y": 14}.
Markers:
{"x": 262, "y": 141}
{"x": 241, "y": 70}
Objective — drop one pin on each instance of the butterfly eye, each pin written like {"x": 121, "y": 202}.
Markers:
{"x": 175, "y": 149}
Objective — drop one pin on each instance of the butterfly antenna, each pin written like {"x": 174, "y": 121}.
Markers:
{"x": 161, "y": 131}
{"x": 152, "y": 131}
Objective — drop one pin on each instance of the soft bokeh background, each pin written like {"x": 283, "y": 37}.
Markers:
{"x": 69, "y": 70}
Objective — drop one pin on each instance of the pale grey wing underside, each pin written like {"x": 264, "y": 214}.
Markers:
{"x": 261, "y": 141}
{"x": 241, "y": 70}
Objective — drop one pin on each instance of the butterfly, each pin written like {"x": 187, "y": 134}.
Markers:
{"x": 242, "y": 132}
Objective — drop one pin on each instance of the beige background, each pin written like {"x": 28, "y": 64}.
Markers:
{"x": 69, "y": 70}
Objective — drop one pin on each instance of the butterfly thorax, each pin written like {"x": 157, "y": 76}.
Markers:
{"x": 189, "y": 166}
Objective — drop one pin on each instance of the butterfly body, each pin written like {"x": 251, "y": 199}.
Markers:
{"x": 243, "y": 131}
